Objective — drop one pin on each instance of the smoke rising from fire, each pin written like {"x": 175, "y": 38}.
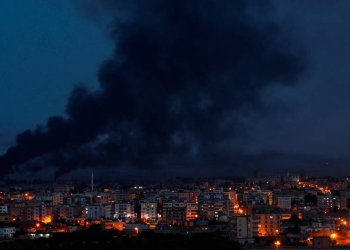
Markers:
{"x": 182, "y": 77}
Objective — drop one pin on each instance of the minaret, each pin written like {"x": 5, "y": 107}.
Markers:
{"x": 92, "y": 181}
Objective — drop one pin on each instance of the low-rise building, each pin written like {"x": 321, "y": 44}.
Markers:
{"x": 6, "y": 218}
{"x": 108, "y": 225}
{"x": 4, "y": 209}
{"x": 7, "y": 232}
{"x": 321, "y": 242}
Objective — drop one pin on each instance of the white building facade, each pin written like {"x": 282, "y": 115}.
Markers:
{"x": 4, "y": 209}
{"x": 123, "y": 209}
{"x": 148, "y": 209}
{"x": 7, "y": 232}
{"x": 94, "y": 212}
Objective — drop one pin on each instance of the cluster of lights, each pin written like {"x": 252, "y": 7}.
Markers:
{"x": 277, "y": 244}
{"x": 47, "y": 220}
{"x": 343, "y": 222}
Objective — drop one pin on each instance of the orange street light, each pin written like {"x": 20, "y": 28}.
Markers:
{"x": 333, "y": 236}
{"x": 277, "y": 244}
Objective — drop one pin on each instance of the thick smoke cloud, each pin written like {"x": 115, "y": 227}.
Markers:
{"x": 182, "y": 77}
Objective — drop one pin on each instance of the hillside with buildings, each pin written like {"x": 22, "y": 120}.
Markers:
{"x": 289, "y": 209}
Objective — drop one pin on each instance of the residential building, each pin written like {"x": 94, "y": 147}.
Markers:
{"x": 148, "y": 209}
{"x": 213, "y": 209}
{"x": 7, "y": 232}
{"x": 123, "y": 209}
{"x": 57, "y": 198}
{"x": 269, "y": 194}
{"x": 93, "y": 211}
{"x": 174, "y": 209}
{"x": 268, "y": 219}
{"x": 6, "y": 217}
{"x": 191, "y": 210}
{"x": 241, "y": 229}
{"x": 284, "y": 202}
{"x": 77, "y": 200}
{"x": 328, "y": 201}
{"x": 344, "y": 196}
{"x": 4, "y": 209}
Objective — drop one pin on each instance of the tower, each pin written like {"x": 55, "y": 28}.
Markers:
{"x": 92, "y": 181}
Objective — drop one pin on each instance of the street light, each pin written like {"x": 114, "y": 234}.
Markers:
{"x": 277, "y": 244}
{"x": 333, "y": 236}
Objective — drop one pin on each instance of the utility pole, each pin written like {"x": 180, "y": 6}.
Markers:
{"x": 92, "y": 181}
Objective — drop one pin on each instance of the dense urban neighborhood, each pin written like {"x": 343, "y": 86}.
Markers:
{"x": 277, "y": 210}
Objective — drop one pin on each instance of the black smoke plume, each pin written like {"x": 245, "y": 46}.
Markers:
{"x": 182, "y": 76}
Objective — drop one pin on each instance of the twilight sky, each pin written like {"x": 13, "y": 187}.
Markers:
{"x": 267, "y": 89}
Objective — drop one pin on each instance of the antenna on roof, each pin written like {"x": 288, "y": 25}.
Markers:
{"x": 92, "y": 181}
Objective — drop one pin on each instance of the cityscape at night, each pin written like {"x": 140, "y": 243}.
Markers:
{"x": 291, "y": 210}
{"x": 174, "y": 124}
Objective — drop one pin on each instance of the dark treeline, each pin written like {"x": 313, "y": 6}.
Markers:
{"x": 109, "y": 241}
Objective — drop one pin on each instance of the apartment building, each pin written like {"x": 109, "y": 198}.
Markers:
{"x": 344, "y": 196}
{"x": 7, "y": 232}
{"x": 4, "y": 209}
{"x": 148, "y": 209}
{"x": 328, "y": 201}
{"x": 213, "y": 209}
{"x": 266, "y": 220}
{"x": 269, "y": 224}
{"x": 123, "y": 209}
{"x": 284, "y": 201}
{"x": 267, "y": 195}
{"x": 104, "y": 198}
{"x": 97, "y": 211}
{"x": 77, "y": 200}
{"x": 174, "y": 209}
{"x": 27, "y": 212}
{"x": 241, "y": 229}
{"x": 191, "y": 210}
{"x": 57, "y": 198}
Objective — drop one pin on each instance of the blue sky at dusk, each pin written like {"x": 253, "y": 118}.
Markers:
{"x": 298, "y": 119}
{"x": 46, "y": 48}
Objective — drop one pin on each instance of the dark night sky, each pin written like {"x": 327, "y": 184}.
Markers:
{"x": 295, "y": 117}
